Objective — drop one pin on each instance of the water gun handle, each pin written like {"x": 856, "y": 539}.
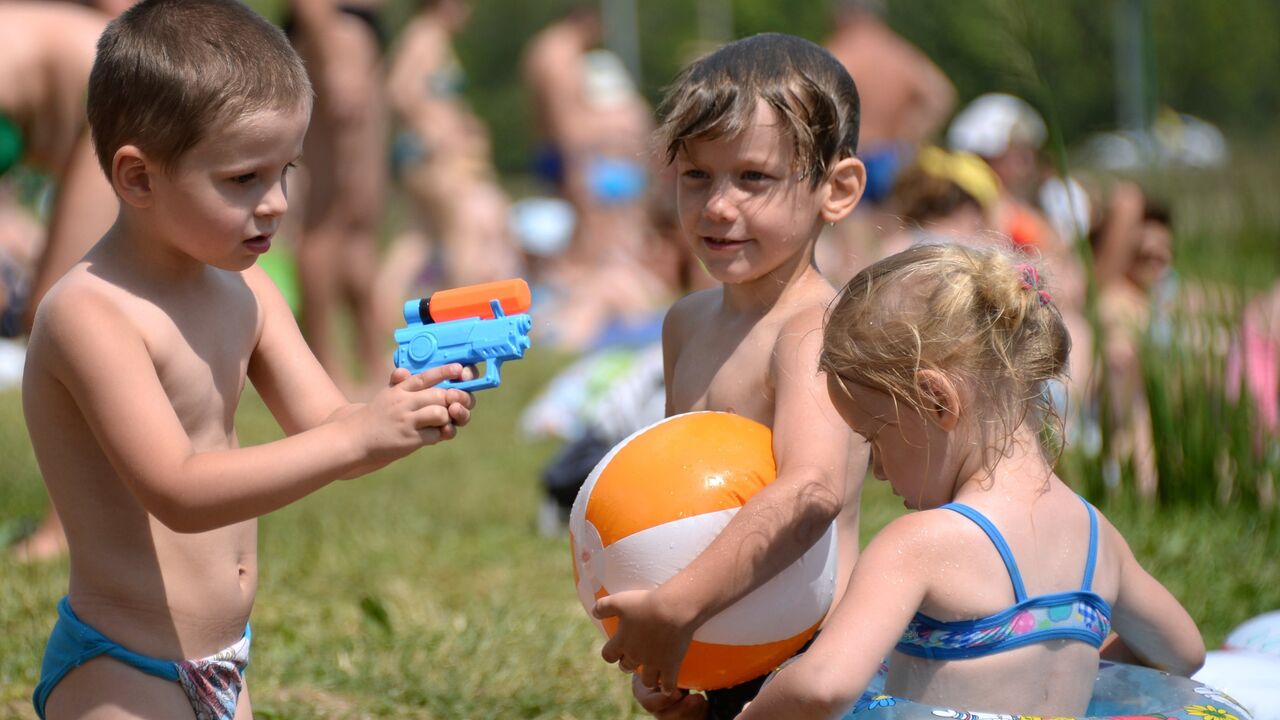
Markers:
{"x": 492, "y": 366}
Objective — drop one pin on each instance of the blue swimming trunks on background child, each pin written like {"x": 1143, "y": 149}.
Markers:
{"x": 212, "y": 684}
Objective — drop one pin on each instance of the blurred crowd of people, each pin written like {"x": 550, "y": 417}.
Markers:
{"x": 599, "y": 238}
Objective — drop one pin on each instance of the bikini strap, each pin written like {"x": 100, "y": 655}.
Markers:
{"x": 1019, "y": 591}
{"x": 1092, "y": 560}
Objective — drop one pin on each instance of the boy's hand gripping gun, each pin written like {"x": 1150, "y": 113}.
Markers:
{"x": 486, "y": 323}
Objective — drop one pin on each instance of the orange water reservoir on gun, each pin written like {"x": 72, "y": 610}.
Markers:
{"x": 473, "y": 301}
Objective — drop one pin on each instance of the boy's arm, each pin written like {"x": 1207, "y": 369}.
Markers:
{"x": 672, "y": 341}
{"x": 293, "y": 384}
{"x": 773, "y": 529}
{"x": 886, "y": 588}
{"x": 120, "y": 396}
{"x": 284, "y": 371}
{"x": 1153, "y": 625}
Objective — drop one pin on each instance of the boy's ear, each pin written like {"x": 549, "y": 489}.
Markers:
{"x": 131, "y": 173}
{"x": 941, "y": 398}
{"x": 845, "y": 183}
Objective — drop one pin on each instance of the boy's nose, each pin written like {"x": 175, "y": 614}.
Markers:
{"x": 275, "y": 202}
{"x": 719, "y": 208}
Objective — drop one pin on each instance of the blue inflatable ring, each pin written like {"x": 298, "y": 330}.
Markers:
{"x": 1122, "y": 692}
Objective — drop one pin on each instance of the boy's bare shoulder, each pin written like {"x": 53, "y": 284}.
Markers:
{"x": 687, "y": 309}
{"x": 80, "y": 297}
{"x": 804, "y": 319}
{"x": 806, "y": 312}
{"x": 259, "y": 282}
{"x": 81, "y": 311}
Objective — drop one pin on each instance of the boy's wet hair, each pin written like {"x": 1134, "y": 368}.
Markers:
{"x": 811, "y": 93}
{"x": 979, "y": 316}
{"x": 169, "y": 70}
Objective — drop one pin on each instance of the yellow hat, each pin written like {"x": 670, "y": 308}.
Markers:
{"x": 967, "y": 170}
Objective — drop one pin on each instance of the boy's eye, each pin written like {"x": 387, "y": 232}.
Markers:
{"x": 242, "y": 179}
{"x": 754, "y": 176}
{"x": 695, "y": 174}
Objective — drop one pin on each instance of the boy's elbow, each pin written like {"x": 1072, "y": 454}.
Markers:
{"x": 819, "y": 500}
{"x": 174, "y": 515}
{"x": 174, "y": 512}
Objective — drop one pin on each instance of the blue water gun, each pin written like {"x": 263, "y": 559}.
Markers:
{"x": 486, "y": 323}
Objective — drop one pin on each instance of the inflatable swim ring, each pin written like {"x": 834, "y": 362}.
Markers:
{"x": 1122, "y": 692}
{"x": 1248, "y": 666}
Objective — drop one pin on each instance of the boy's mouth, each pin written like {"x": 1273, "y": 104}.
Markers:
{"x": 722, "y": 243}
{"x": 258, "y": 244}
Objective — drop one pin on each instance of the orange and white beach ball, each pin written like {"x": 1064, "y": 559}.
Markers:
{"x": 656, "y": 501}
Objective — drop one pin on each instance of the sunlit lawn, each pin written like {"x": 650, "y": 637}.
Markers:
{"x": 423, "y": 591}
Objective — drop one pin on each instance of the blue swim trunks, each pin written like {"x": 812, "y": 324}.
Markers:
{"x": 883, "y": 163}
{"x": 615, "y": 180}
{"x": 211, "y": 684}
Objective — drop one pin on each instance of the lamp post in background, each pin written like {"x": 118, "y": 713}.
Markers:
{"x": 622, "y": 33}
{"x": 1134, "y": 112}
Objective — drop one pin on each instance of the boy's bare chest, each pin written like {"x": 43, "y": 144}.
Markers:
{"x": 718, "y": 369}
{"x": 201, "y": 360}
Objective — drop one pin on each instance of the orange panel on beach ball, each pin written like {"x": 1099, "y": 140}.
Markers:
{"x": 656, "y": 501}
{"x": 724, "y": 459}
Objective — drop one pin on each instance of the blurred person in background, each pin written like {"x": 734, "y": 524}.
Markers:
{"x": 346, "y": 168}
{"x": 442, "y": 157}
{"x": 906, "y": 99}
{"x": 1007, "y": 133}
{"x": 595, "y": 127}
{"x": 551, "y": 67}
{"x": 942, "y": 197}
{"x": 1134, "y": 257}
{"x": 46, "y": 52}
{"x": 1253, "y": 366}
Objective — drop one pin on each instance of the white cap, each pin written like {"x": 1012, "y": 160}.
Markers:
{"x": 989, "y": 124}
{"x": 1066, "y": 205}
{"x": 606, "y": 81}
{"x": 543, "y": 225}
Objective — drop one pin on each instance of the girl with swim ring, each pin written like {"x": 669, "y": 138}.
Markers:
{"x": 999, "y": 593}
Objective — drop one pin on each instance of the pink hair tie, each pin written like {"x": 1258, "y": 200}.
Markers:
{"x": 1031, "y": 281}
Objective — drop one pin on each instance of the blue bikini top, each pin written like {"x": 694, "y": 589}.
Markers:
{"x": 1072, "y": 615}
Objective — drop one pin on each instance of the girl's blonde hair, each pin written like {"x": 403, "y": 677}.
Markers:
{"x": 979, "y": 316}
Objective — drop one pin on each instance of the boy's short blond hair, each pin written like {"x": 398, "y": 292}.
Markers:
{"x": 812, "y": 94}
{"x": 168, "y": 70}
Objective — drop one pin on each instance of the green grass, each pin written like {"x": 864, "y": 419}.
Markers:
{"x": 423, "y": 591}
